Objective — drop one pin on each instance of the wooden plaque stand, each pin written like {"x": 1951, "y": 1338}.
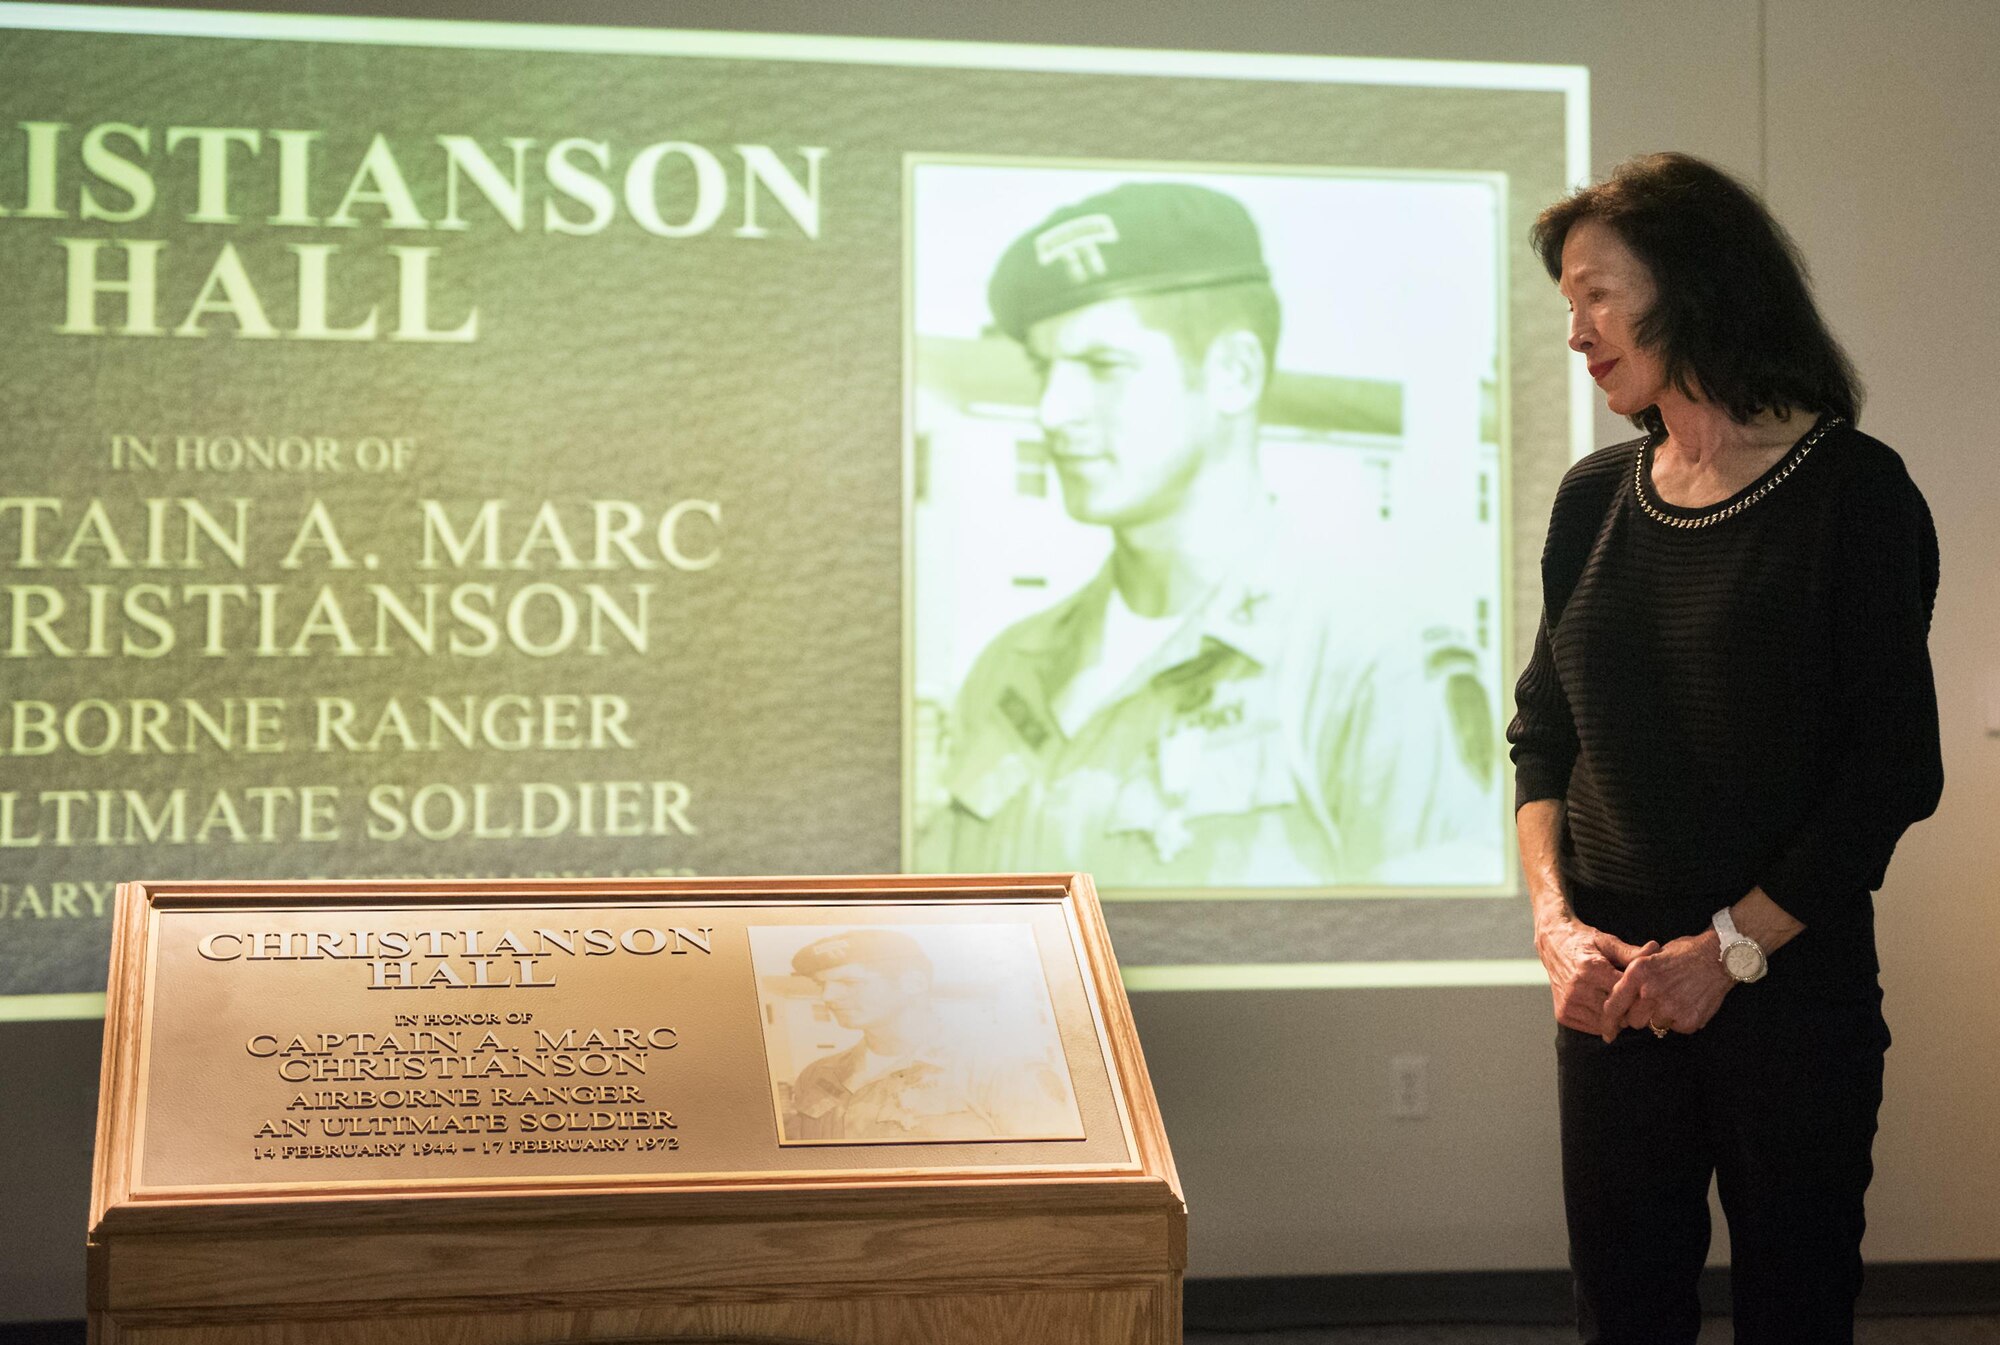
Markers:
{"x": 917, "y": 1245}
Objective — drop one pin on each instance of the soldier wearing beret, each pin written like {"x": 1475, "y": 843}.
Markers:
{"x": 906, "y": 1079}
{"x": 1220, "y": 705}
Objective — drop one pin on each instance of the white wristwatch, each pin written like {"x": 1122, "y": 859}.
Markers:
{"x": 1741, "y": 957}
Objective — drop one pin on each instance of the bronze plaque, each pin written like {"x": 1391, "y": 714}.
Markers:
{"x": 412, "y": 1035}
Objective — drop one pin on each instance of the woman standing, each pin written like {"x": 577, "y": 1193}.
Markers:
{"x": 1728, "y": 722}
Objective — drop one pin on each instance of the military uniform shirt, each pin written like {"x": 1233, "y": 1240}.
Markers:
{"x": 1275, "y": 738}
{"x": 934, "y": 1094}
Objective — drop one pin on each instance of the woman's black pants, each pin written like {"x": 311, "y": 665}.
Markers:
{"x": 1776, "y": 1098}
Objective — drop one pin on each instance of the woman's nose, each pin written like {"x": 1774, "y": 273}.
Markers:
{"x": 1581, "y": 337}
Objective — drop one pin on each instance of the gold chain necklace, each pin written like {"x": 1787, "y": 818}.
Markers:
{"x": 1659, "y": 515}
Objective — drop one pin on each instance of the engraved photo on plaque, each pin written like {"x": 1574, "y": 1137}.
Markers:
{"x": 898, "y": 1034}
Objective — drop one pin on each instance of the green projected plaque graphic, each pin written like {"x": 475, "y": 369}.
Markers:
{"x": 450, "y": 449}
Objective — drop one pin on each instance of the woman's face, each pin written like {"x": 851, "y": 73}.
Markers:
{"x": 1609, "y": 291}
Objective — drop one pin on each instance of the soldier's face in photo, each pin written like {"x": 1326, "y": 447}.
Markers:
{"x": 1125, "y": 424}
{"x": 861, "y": 996}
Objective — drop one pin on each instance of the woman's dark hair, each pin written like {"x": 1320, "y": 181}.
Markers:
{"x": 1734, "y": 320}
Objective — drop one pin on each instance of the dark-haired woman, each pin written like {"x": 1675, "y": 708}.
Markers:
{"x": 1728, "y": 722}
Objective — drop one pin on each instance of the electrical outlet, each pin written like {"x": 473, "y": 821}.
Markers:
{"x": 1410, "y": 1086}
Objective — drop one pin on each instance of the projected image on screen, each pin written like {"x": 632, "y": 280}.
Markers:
{"x": 491, "y": 450}
{"x": 1206, "y": 572}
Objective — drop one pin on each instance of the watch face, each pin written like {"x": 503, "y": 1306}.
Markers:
{"x": 1744, "y": 960}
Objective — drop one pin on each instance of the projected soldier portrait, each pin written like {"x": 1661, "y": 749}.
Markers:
{"x": 1186, "y": 616}
{"x": 872, "y": 1041}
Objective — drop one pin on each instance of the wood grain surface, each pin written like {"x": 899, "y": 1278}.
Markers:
{"x": 1027, "y": 1257}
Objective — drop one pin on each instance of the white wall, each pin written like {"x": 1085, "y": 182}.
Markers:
{"x": 1876, "y": 139}
{"x": 1884, "y": 141}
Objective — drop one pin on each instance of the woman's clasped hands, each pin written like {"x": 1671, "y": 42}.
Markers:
{"x": 1603, "y": 985}
{"x": 1677, "y": 987}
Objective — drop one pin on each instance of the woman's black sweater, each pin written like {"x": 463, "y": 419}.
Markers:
{"x": 1743, "y": 704}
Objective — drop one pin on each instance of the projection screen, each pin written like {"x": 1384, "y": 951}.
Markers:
{"x": 441, "y": 448}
